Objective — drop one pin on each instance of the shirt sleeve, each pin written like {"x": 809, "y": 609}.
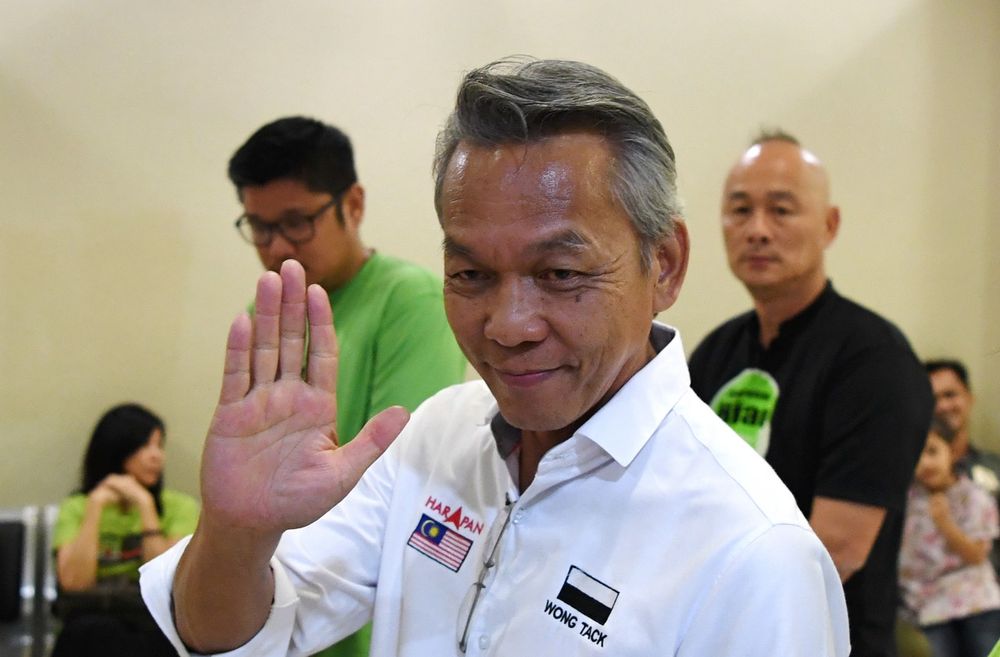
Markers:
{"x": 156, "y": 583}
{"x": 305, "y": 616}
{"x": 416, "y": 353}
{"x": 981, "y": 517}
{"x": 180, "y": 515}
{"x": 781, "y": 595}
{"x": 68, "y": 521}
{"x": 325, "y": 574}
{"x": 876, "y": 413}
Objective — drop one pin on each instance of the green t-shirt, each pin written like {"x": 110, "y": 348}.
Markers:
{"x": 396, "y": 347}
{"x": 119, "y": 543}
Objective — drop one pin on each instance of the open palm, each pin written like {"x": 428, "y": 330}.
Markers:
{"x": 271, "y": 460}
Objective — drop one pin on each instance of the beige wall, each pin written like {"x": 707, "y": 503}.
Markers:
{"x": 119, "y": 268}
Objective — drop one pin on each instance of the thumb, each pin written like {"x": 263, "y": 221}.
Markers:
{"x": 374, "y": 438}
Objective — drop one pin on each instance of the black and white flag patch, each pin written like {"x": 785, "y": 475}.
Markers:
{"x": 591, "y": 597}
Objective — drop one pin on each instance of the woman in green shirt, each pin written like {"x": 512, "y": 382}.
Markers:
{"x": 120, "y": 518}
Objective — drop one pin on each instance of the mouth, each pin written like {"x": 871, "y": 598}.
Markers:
{"x": 928, "y": 478}
{"x": 525, "y": 378}
{"x": 758, "y": 260}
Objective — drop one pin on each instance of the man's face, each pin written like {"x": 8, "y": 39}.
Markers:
{"x": 543, "y": 284}
{"x": 952, "y": 400}
{"x": 327, "y": 257}
{"x": 777, "y": 220}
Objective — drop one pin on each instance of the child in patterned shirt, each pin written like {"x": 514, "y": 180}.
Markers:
{"x": 948, "y": 586}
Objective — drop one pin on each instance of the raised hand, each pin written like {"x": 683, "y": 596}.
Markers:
{"x": 271, "y": 460}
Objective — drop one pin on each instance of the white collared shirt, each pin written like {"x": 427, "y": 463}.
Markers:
{"x": 653, "y": 530}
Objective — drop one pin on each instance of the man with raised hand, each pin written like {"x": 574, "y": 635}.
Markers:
{"x": 578, "y": 500}
{"x": 827, "y": 391}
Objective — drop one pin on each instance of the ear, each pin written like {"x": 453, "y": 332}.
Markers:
{"x": 670, "y": 261}
{"x": 832, "y": 223}
{"x": 352, "y": 206}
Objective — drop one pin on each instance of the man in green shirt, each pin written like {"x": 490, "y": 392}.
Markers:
{"x": 301, "y": 198}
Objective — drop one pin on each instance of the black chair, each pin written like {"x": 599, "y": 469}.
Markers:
{"x": 11, "y": 568}
{"x": 27, "y": 583}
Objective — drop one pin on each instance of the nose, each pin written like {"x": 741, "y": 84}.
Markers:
{"x": 515, "y": 314}
{"x": 277, "y": 251}
{"x": 758, "y": 229}
{"x": 155, "y": 453}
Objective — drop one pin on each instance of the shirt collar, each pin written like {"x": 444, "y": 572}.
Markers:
{"x": 797, "y": 323}
{"x": 627, "y": 421}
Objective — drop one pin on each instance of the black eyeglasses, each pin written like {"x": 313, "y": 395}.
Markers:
{"x": 475, "y": 591}
{"x": 297, "y": 229}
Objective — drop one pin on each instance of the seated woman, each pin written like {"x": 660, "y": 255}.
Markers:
{"x": 121, "y": 517}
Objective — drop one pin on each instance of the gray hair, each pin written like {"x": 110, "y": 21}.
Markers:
{"x": 524, "y": 100}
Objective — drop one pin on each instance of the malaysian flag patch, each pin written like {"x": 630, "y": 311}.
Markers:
{"x": 434, "y": 540}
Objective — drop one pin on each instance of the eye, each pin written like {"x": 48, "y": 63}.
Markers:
{"x": 561, "y": 278}
{"x": 739, "y": 213}
{"x": 258, "y": 227}
{"x": 560, "y": 274}
{"x": 468, "y": 276}
{"x": 294, "y": 222}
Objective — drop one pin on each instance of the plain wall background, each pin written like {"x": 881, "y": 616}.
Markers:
{"x": 120, "y": 270}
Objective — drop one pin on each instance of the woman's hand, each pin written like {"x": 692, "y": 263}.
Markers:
{"x": 129, "y": 491}
{"x": 103, "y": 495}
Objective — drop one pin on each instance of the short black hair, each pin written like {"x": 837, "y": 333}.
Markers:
{"x": 298, "y": 148}
{"x": 120, "y": 433}
{"x": 956, "y": 366}
{"x": 942, "y": 430}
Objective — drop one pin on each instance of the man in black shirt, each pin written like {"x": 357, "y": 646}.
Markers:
{"x": 829, "y": 392}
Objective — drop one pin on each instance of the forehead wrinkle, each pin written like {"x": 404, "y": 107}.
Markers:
{"x": 569, "y": 240}
{"x": 771, "y": 195}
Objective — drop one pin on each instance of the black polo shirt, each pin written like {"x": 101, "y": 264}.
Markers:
{"x": 840, "y": 406}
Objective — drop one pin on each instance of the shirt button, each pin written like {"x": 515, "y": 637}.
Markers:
{"x": 518, "y": 516}
{"x": 484, "y": 642}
